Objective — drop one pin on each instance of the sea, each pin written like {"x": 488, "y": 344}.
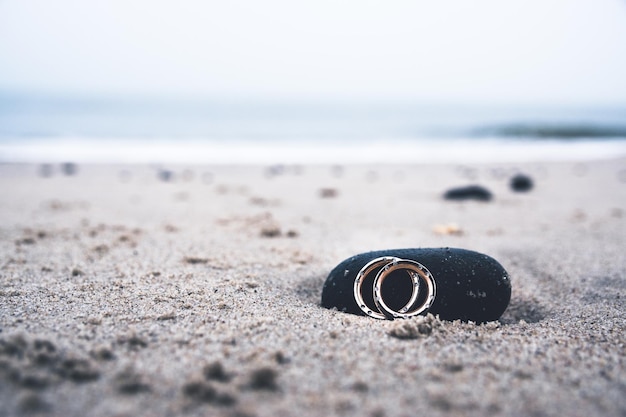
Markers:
{"x": 36, "y": 128}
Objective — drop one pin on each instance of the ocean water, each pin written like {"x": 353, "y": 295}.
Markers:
{"x": 36, "y": 128}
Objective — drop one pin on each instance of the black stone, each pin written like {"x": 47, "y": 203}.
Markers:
{"x": 521, "y": 183}
{"x": 470, "y": 192}
{"x": 471, "y": 286}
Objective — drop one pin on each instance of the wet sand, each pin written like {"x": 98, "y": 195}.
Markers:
{"x": 195, "y": 290}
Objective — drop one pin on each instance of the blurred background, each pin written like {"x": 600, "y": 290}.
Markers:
{"x": 312, "y": 81}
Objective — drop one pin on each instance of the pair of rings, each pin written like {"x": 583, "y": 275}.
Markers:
{"x": 377, "y": 271}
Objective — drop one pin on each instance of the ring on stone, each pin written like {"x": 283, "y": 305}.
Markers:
{"x": 363, "y": 274}
{"x": 384, "y": 266}
{"x": 462, "y": 284}
{"x": 417, "y": 304}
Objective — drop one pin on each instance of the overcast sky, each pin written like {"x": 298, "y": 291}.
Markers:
{"x": 481, "y": 50}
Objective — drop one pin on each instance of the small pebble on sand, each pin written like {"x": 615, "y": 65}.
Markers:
{"x": 521, "y": 183}
{"x": 470, "y": 192}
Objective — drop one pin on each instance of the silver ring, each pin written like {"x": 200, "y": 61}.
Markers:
{"x": 419, "y": 272}
{"x": 386, "y": 265}
{"x": 358, "y": 284}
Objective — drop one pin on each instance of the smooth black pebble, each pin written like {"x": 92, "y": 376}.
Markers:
{"x": 521, "y": 183}
{"x": 470, "y": 192}
{"x": 471, "y": 286}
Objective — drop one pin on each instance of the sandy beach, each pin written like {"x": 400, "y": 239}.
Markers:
{"x": 139, "y": 290}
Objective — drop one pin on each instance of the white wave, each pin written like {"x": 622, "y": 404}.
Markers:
{"x": 201, "y": 151}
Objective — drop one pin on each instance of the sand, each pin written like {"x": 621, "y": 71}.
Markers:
{"x": 140, "y": 291}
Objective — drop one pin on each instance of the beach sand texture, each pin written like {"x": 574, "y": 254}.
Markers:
{"x": 135, "y": 291}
